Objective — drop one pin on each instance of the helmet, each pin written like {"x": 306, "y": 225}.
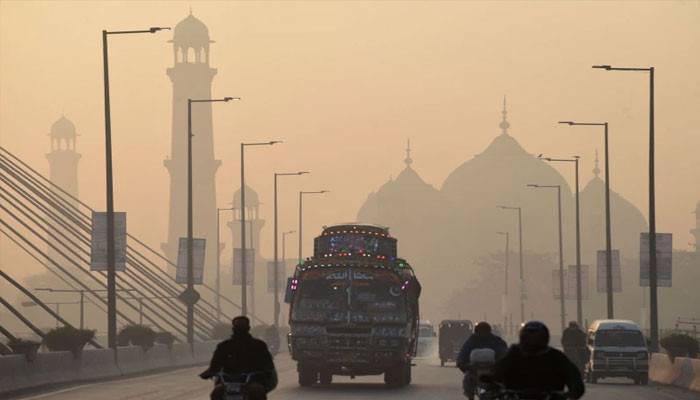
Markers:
{"x": 573, "y": 324}
{"x": 482, "y": 328}
{"x": 534, "y": 337}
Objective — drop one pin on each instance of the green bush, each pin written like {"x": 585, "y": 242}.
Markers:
{"x": 165, "y": 338}
{"x": 23, "y": 346}
{"x": 680, "y": 345}
{"x": 67, "y": 338}
{"x": 220, "y": 331}
{"x": 136, "y": 335}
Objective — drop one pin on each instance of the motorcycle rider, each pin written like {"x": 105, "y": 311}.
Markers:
{"x": 243, "y": 354}
{"x": 533, "y": 366}
{"x": 482, "y": 338}
{"x": 573, "y": 341}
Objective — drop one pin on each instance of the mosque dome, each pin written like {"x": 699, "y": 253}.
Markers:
{"x": 626, "y": 219}
{"x": 251, "y": 198}
{"x": 191, "y": 32}
{"x": 63, "y": 128}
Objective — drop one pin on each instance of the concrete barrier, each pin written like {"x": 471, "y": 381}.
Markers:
{"x": 682, "y": 372}
{"x": 16, "y": 373}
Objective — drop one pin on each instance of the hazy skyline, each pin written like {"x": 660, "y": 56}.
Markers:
{"x": 344, "y": 84}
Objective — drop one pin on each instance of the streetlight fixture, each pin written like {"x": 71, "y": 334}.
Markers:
{"x": 653, "y": 283}
{"x": 520, "y": 254}
{"x": 608, "y": 229}
{"x": 579, "y": 294}
{"x": 244, "y": 275}
{"x": 562, "y": 303}
{"x": 276, "y": 260}
{"x": 111, "y": 272}
{"x": 58, "y": 305}
{"x": 190, "y": 295}
{"x": 301, "y": 201}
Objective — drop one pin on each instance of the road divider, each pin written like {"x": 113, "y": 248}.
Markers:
{"x": 682, "y": 372}
{"x": 17, "y": 373}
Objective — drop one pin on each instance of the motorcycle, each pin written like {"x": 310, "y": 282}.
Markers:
{"x": 240, "y": 386}
{"x": 481, "y": 363}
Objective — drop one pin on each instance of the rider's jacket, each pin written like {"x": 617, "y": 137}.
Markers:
{"x": 242, "y": 353}
{"x": 487, "y": 341}
{"x": 549, "y": 370}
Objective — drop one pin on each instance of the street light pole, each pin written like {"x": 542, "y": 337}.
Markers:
{"x": 608, "y": 228}
{"x": 653, "y": 282}
{"x": 244, "y": 272}
{"x": 300, "y": 229}
{"x": 276, "y": 310}
{"x": 562, "y": 303}
{"x": 111, "y": 272}
{"x": 579, "y": 285}
{"x": 81, "y": 292}
{"x": 520, "y": 254}
{"x": 218, "y": 261}
{"x": 505, "y": 278}
{"x": 192, "y": 297}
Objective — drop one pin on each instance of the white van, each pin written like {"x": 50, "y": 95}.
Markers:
{"x": 617, "y": 349}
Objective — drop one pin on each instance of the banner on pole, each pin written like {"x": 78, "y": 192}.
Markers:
{"x": 250, "y": 266}
{"x": 198, "y": 247}
{"x": 281, "y": 276}
{"x": 664, "y": 259}
{"x": 571, "y": 286}
{"x": 616, "y": 272}
{"x": 98, "y": 241}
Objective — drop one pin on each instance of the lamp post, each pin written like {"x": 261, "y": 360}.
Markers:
{"x": 244, "y": 289}
{"x": 81, "y": 302}
{"x": 579, "y": 294}
{"x": 505, "y": 278}
{"x": 653, "y": 283}
{"x": 111, "y": 272}
{"x": 58, "y": 305}
{"x": 562, "y": 303}
{"x": 301, "y": 201}
{"x": 608, "y": 229}
{"x": 192, "y": 296}
{"x": 520, "y": 254}
{"x": 218, "y": 261}
{"x": 276, "y": 310}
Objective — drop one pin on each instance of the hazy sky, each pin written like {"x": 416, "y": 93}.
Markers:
{"x": 344, "y": 84}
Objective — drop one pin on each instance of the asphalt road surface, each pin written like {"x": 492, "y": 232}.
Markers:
{"x": 430, "y": 381}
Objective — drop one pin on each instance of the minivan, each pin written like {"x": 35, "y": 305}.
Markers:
{"x": 617, "y": 348}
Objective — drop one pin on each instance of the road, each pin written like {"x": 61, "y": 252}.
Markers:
{"x": 430, "y": 382}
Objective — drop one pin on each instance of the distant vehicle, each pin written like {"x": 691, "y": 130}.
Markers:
{"x": 426, "y": 338}
{"x": 451, "y": 336}
{"x": 353, "y": 308}
{"x": 617, "y": 349}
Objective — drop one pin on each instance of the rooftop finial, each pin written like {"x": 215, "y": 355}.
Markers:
{"x": 190, "y": 10}
{"x": 408, "y": 160}
{"x": 504, "y": 122}
{"x": 596, "y": 170}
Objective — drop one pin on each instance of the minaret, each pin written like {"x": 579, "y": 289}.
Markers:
{"x": 191, "y": 77}
{"x": 63, "y": 165}
{"x": 252, "y": 219}
{"x": 63, "y": 159}
{"x": 408, "y": 160}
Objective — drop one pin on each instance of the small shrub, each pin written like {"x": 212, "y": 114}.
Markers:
{"x": 24, "y": 346}
{"x": 165, "y": 338}
{"x": 136, "y": 335}
{"x": 220, "y": 331}
{"x": 680, "y": 345}
{"x": 67, "y": 338}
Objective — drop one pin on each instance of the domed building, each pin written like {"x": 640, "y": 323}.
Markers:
{"x": 627, "y": 222}
{"x": 254, "y": 223}
{"x": 498, "y": 176}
